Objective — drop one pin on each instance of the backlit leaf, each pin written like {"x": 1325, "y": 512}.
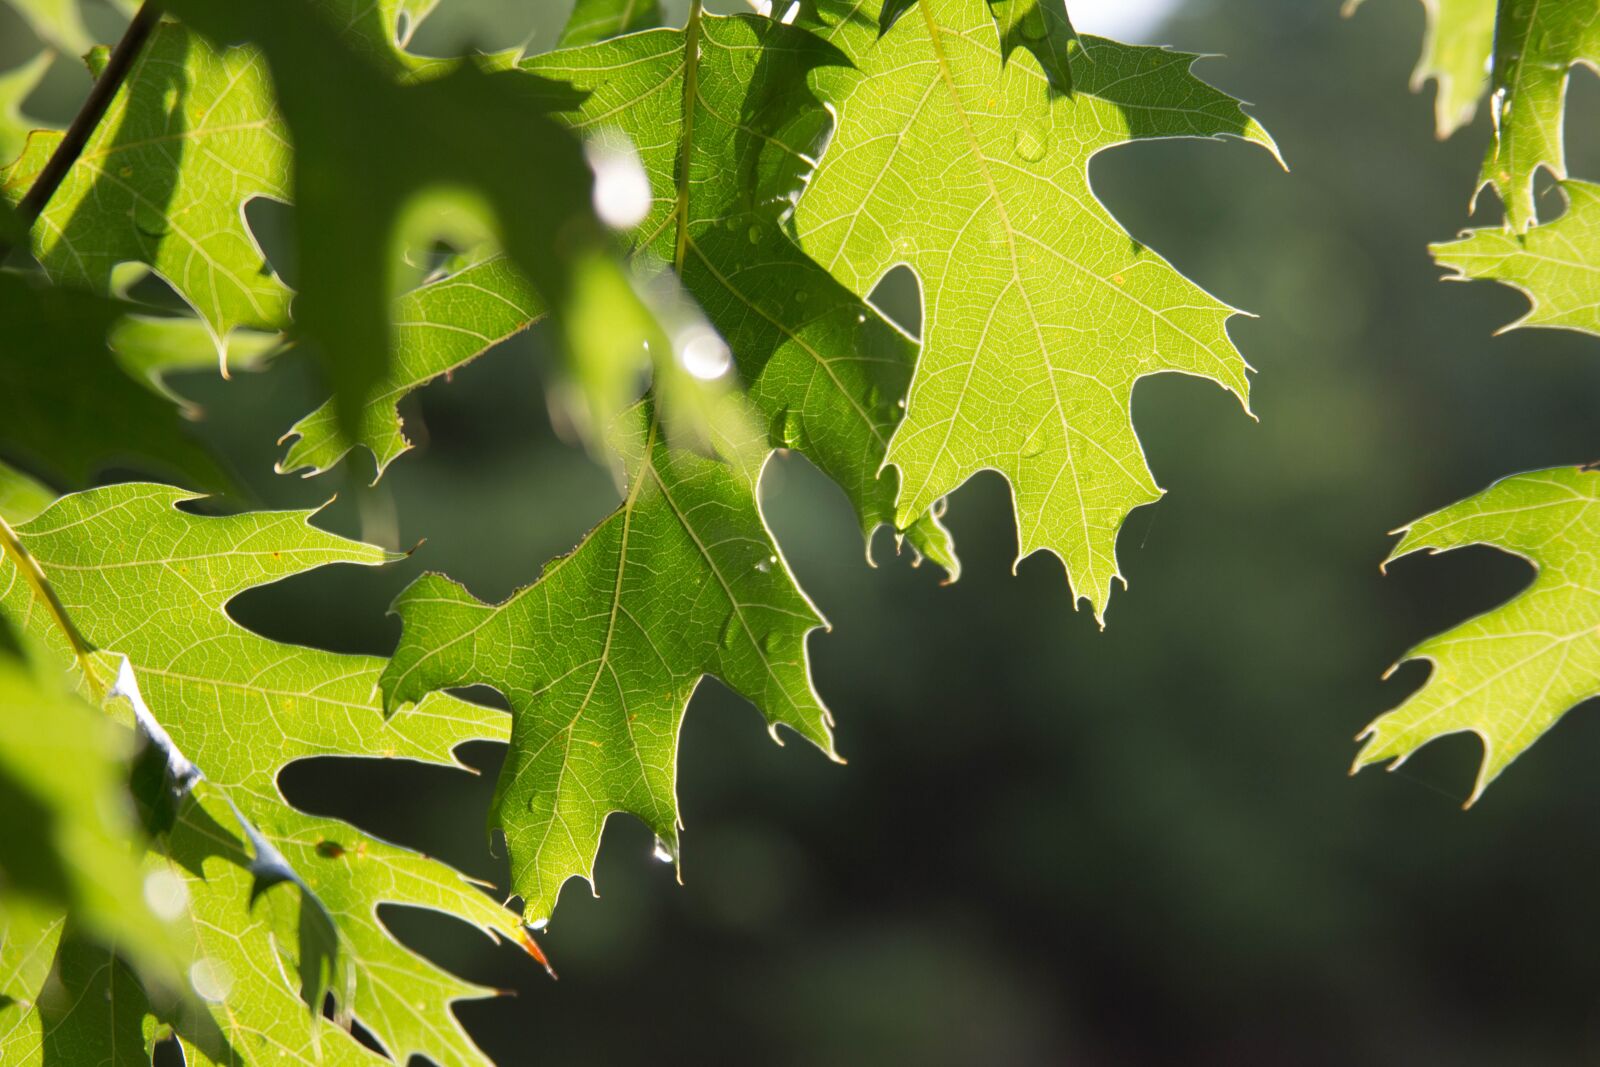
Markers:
{"x": 1555, "y": 264}
{"x": 1510, "y": 673}
{"x": 1040, "y": 312}
{"x": 139, "y": 577}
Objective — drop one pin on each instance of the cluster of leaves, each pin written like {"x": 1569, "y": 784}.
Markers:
{"x": 1510, "y": 673}
{"x": 709, "y": 205}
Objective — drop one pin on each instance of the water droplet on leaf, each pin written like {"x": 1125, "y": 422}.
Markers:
{"x": 1031, "y": 144}
{"x": 1035, "y": 442}
{"x": 794, "y": 429}
{"x": 149, "y": 219}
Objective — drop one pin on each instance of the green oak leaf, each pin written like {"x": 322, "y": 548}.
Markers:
{"x": 599, "y": 20}
{"x": 1510, "y": 673}
{"x": 1536, "y": 44}
{"x": 600, "y": 656}
{"x": 186, "y": 143}
{"x": 1555, "y": 264}
{"x": 15, "y": 86}
{"x": 1456, "y": 49}
{"x": 66, "y": 409}
{"x": 437, "y": 327}
{"x": 133, "y": 574}
{"x": 823, "y": 367}
{"x": 1040, "y": 311}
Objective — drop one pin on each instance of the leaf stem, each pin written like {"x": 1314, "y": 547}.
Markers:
{"x": 83, "y": 125}
{"x": 691, "y": 92}
{"x": 13, "y": 547}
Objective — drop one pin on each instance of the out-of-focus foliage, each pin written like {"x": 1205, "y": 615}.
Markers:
{"x": 425, "y": 128}
{"x": 1455, "y": 56}
{"x": 15, "y": 85}
{"x": 59, "y": 23}
{"x": 67, "y": 408}
{"x": 21, "y": 497}
{"x": 71, "y": 845}
{"x": 598, "y": 20}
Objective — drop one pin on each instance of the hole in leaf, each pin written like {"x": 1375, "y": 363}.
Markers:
{"x": 167, "y": 1053}
{"x": 899, "y": 297}
{"x": 272, "y": 224}
{"x": 418, "y": 805}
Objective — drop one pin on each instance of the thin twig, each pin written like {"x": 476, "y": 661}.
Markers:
{"x": 11, "y": 546}
{"x": 83, "y": 125}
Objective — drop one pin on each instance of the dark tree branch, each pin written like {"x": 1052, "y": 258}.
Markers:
{"x": 83, "y": 125}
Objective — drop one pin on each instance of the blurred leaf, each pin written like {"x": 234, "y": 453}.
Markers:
{"x": 15, "y": 86}
{"x": 65, "y": 407}
{"x": 1510, "y": 673}
{"x": 1455, "y": 53}
{"x": 21, "y": 497}
{"x": 151, "y": 347}
{"x": 164, "y": 179}
{"x": 91, "y": 1008}
{"x": 29, "y": 934}
{"x": 70, "y": 848}
{"x": 462, "y": 128}
{"x": 1554, "y": 264}
{"x": 598, "y": 20}
{"x": 600, "y": 656}
{"x": 1042, "y": 313}
{"x": 1535, "y": 47}
{"x": 59, "y": 23}
{"x": 139, "y": 577}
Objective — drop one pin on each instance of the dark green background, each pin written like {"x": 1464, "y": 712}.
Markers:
{"x": 1051, "y": 844}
